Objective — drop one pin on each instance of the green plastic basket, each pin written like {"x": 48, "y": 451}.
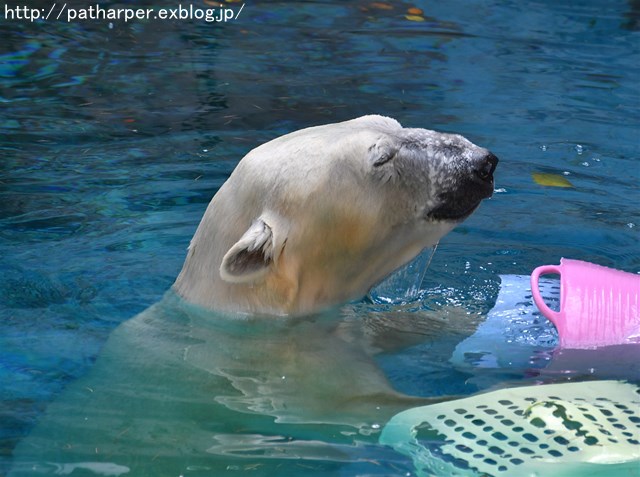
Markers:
{"x": 572, "y": 429}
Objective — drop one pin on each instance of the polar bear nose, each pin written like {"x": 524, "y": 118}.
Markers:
{"x": 486, "y": 167}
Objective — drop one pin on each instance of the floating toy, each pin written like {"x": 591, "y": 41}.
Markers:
{"x": 513, "y": 329}
{"x": 599, "y": 306}
{"x": 555, "y": 430}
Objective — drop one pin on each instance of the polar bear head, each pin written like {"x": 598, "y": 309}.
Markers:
{"x": 317, "y": 217}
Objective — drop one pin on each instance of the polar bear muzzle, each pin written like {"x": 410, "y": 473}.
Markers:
{"x": 460, "y": 202}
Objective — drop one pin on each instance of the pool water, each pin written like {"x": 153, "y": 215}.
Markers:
{"x": 114, "y": 136}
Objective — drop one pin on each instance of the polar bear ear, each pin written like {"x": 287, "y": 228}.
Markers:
{"x": 383, "y": 151}
{"x": 250, "y": 257}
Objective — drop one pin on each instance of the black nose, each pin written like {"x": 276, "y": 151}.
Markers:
{"x": 486, "y": 167}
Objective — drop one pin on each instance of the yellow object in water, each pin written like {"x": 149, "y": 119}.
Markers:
{"x": 550, "y": 180}
{"x": 414, "y": 18}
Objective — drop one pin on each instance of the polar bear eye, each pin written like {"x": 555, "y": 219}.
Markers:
{"x": 382, "y": 152}
{"x": 382, "y": 160}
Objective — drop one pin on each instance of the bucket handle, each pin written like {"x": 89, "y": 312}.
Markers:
{"x": 554, "y": 316}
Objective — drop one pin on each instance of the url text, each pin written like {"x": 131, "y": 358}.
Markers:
{"x": 62, "y": 12}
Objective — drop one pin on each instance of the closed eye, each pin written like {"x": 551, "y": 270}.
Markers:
{"x": 382, "y": 160}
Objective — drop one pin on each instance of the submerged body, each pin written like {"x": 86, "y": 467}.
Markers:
{"x": 180, "y": 390}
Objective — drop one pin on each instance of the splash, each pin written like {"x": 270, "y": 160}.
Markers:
{"x": 404, "y": 285}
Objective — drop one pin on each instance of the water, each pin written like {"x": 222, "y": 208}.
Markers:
{"x": 114, "y": 136}
{"x": 405, "y": 285}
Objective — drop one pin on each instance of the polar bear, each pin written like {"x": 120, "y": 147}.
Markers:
{"x": 316, "y": 217}
{"x": 245, "y": 364}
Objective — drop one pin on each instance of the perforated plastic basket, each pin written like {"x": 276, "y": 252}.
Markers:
{"x": 571, "y": 429}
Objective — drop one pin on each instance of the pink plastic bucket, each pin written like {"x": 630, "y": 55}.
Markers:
{"x": 599, "y": 306}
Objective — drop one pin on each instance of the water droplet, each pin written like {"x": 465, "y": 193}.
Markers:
{"x": 110, "y": 26}
{"x": 585, "y": 164}
{"x": 631, "y": 225}
{"x": 579, "y": 149}
{"x": 543, "y": 147}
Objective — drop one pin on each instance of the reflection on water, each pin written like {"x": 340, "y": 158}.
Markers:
{"x": 114, "y": 137}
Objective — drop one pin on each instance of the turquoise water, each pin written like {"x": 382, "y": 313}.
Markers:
{"x": 114, "y": 136}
